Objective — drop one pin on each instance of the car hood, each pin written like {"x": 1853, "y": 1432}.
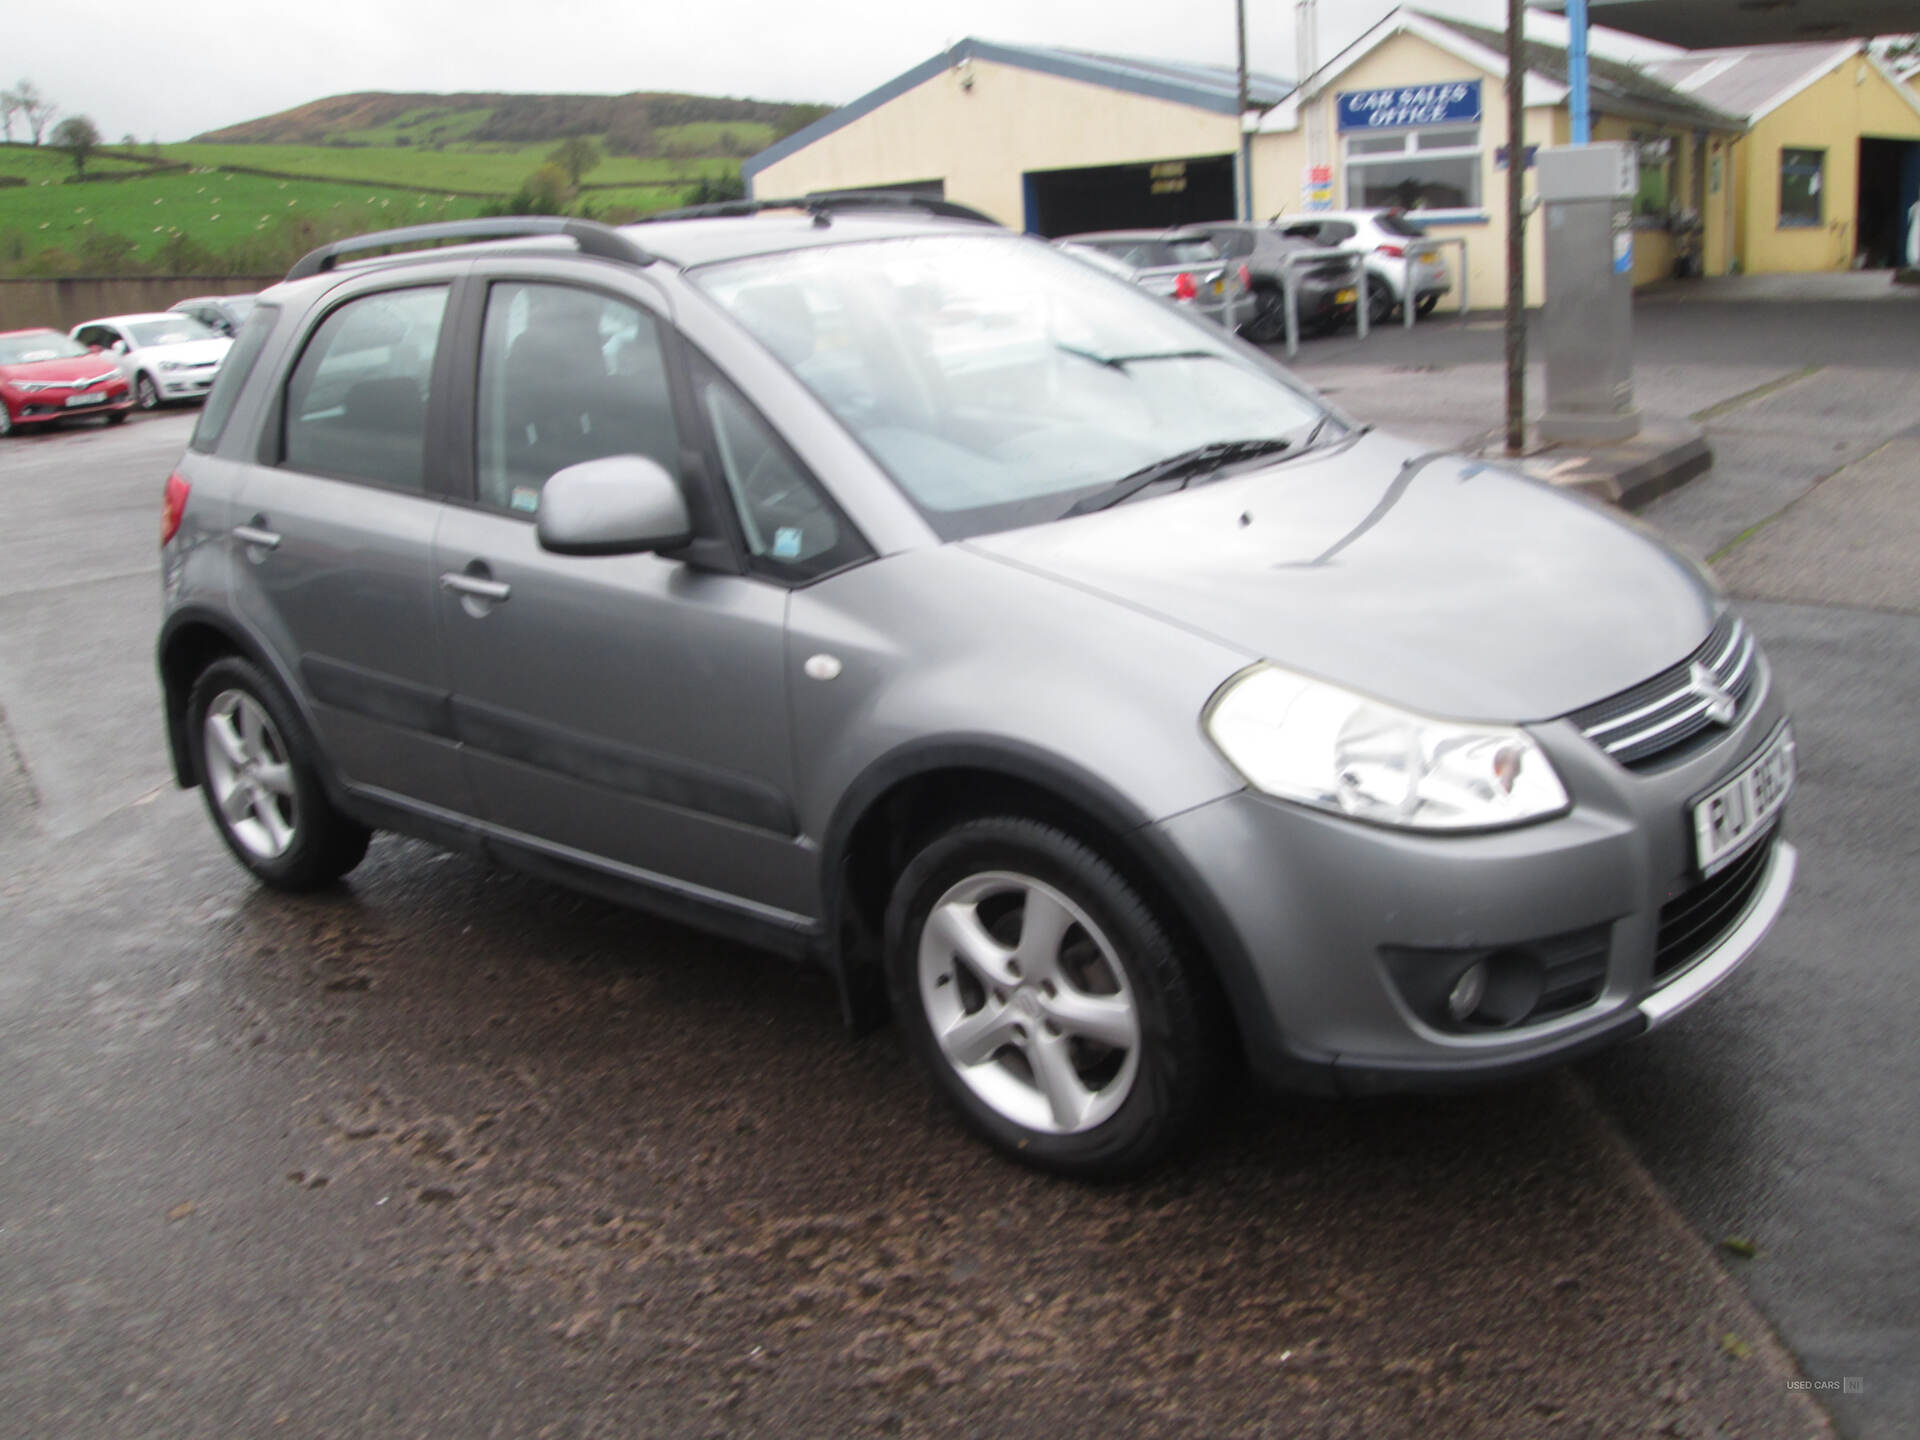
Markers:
{"x": 83, "y": 367}
{"x": 1441, "y": 583}
{"x": 189, "y": 352}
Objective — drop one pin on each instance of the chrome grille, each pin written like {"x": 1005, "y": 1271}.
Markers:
{"x": 1647, "y": 724}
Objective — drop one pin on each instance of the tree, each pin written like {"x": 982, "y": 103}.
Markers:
{"x": 576, "y": 155}
{"x": 78, "y": 136}
{"x": 33, "y": 107}
{"x": 544, "y": 192}
{"x": 9, "y": 108}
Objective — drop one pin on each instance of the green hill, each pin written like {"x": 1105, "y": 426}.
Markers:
{"x": 249, "y": 198}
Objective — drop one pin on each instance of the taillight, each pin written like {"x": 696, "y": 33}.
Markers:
{"x": 173, "y": 506}
{"x": 1394, "y": 250}
{"x": 1246, "y": 278}
{"x": 1183, "y": 286}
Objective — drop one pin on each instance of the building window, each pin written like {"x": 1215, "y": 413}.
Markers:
{"x": 1654, "y": 199}
{"x": 1435, "y": 168}
{"x": 1800, "y": 187}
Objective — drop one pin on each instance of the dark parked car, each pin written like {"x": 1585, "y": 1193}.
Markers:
{"x": 222, "y": 314}
{"x": 904, "y": 596}
{"x": 1326, "y": 291}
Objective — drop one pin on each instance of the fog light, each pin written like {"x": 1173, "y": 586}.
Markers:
{"x": 1467, "y": 991}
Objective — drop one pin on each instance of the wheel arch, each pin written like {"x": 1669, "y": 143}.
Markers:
{"x": 192, "y": 639}
{"x": 899, "y": 802}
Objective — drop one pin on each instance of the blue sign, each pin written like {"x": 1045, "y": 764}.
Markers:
{"x": 1450, "y": 102}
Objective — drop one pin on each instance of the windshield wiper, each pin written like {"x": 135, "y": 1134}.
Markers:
{"x": 1201, "y": 460}
{"x": 1121, "y": 362}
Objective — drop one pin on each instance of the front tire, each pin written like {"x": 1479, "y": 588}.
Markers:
{"x": 116, "y": 417}
{"x": 145, "y": 393}
{"x": 261, "y": 784}
{"x": 1046, "y": 1001}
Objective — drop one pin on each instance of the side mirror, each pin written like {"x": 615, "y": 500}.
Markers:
{"x": 119, "y": 347}
{"x": 620, "y": 505}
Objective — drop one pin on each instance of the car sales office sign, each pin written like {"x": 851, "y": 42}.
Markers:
{"x": 1451, "y": 102}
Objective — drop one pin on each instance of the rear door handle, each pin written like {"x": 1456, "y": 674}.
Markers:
{"x": 476, "y": 585}
{"x": 255, "y": 535}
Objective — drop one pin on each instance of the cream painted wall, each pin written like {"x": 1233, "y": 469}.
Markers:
{"x": 1831, "y": 115}
{"x": 980, "y": 141}
{"x": 1279, "y": 161}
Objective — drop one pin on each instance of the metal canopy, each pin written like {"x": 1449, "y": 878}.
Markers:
{"x": 1710, "y": 24}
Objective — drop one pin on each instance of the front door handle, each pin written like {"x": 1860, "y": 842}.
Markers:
{"x": 478, "y": 586}
{"x": 255, "y": 535}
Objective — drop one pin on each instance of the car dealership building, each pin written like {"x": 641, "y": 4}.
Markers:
{"x": 1412, "y": 114}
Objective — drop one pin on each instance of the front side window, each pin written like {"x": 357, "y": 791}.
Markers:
{"x": 994, "y": 378}
{"x": 1801, "y": 184}
{"x": 356, "y": 404}
{"x": 566, "y": 375}
{"x": 1435, "y": 168}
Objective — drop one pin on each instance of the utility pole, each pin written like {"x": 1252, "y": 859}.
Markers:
{"x": 1516, "y": 234}
{"x": 1246, "y": 141}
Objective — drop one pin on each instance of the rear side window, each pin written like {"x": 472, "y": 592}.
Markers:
{"x": 356, "y": 403}
{"x": 232, "y": 377}
{"x": 1396, "y": 224}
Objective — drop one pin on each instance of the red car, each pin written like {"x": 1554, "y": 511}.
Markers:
{"x": 47, "y": 376}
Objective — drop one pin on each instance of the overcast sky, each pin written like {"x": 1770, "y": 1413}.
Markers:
{"x": 169, "y": 72}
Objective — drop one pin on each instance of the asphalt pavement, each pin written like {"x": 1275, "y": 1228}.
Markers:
{"x": 455, "y": 1152}
{"x": 1782, "y": 1115}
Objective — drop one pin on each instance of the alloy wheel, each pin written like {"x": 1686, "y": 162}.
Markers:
{"x": 249, "y": 775}
{"x": 1029, "y": 1003}
{"x": 147, "y": 393}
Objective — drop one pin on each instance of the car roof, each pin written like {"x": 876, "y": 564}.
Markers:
{"x": 1171, "y": 232}
{"x": 129, "y": 319}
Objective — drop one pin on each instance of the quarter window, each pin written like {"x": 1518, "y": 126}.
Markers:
{"x": 232, "y": 375}
{"x": 356, "y": 405}
{"x": 566, "y": 375}
{"x": 1801, "y": 186}
{"x": 790, "y": 526}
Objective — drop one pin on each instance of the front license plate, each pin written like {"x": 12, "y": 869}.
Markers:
{"x": 1343, "y": 297}
{"x": 1729, "y": 818}
{"x": 73, "y": 400}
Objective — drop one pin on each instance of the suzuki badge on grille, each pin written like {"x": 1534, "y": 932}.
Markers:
{"x": 1720, "y": 705}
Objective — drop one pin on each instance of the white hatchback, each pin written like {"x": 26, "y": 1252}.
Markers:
{"x": 166, "y": 356}
{"x": 1390, "y": 239}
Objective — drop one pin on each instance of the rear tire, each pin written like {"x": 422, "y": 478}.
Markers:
{"x": 261, "y": 784}
{"x": 1380, "y": 303}
{"x": 1425, "y": 305}
{"x": 1046, "y": 1001}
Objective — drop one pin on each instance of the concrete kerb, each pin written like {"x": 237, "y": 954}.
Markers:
{"x": 1666, "y": 454}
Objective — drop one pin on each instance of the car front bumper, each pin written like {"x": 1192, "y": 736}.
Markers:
{"x": 1331, "y": 936}
{"x": 184, "y": 385}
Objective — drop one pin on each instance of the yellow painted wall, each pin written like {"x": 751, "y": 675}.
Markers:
{"x": 980, "y": 140}
{"x": 1279, "y": 161}
{"x": 1831, "y": 115}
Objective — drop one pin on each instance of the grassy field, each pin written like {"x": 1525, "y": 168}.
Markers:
{"x": 40, "y": 164}
{"x": 219, "y": 211}
{"x": 492, "y": 169}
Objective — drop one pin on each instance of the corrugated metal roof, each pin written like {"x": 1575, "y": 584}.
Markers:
{"x": 1205, "y": 87}
{"x": 1750, "y": 81}
{"x": 1615, "y": 88}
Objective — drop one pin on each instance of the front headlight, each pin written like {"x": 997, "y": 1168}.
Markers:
{"x": 172, "y": 365}
{"x": 1309, "y": 741}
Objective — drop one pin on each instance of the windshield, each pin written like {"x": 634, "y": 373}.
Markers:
{"x": 997, "y": 380}
{"x": 174, "y": 330}
{"x": 44, "y": 345}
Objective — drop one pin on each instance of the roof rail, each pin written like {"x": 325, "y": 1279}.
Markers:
{"x": 592, "y": 237}
{"x": 822, "y": 205}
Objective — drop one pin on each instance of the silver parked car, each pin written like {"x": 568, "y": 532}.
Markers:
{"x": 1185, "y": 266}
{"x": 896, "y": 593}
